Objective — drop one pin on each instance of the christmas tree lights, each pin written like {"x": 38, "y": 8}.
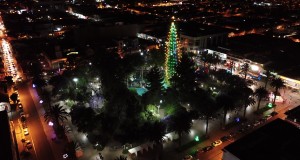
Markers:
{"x": 172, "y": 53}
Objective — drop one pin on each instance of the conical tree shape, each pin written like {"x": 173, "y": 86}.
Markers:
{"x": 172, "y": 53}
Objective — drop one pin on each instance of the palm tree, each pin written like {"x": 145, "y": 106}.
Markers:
{"x": 9, "y": 80}
{"x": 205, "y": 105}
{"x": 210, "y": 59}
{"x": 245, "y": 69}
{"x": 276, "y": 83}
{"x": 121, "y": 158}
{"x": 226, "y": 102}
{"x": 56, "y": 114}
{"x": 181, "y": 123}
{"x": 260, "y": 93}
{"x": 14, "y": 97}
{"x": 157, "y": 132}
{"x": 268, "y": 74}
{"x": 209, "y": 110}
{"x": 247, "y": 95}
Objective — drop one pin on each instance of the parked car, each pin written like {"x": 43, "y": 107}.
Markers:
{"x": 267, "y": 117}
{"x": 242, "y": 130}
{"x": 28, "y": 144}
{"x": 26, "y": 132}
{"x": 225, "y": 138}
{"x": 295, "y": 90}
{"x": 256, "y": 123}
{"x": 22, "y": 114}
{"x": 216, "y": 143}
{"x": 23, "y": 118}
{"x": 67, "y": 129}
{"x": 20, "y": 106}
{"x": 188, "y": 157}
{"x": 232, "y": 134}
{"x": 207, "y": 148}
{"x": 274, "y": 113}
{"x": 24, "y": 125}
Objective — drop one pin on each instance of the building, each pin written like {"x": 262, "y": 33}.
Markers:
{"x": 293, "y": 116}
{"x": 195, "y": 37}
{"x": 7, "y": 140}
{"x": 277, "y": 140}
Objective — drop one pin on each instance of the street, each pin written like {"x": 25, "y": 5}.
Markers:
{"x": 35, "y": 127}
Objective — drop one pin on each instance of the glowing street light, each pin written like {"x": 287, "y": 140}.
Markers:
{"x": 160, "y": 102}
{"x": 50, "y": 123}
{"x": 65, "y": 156}
{"x": 75, "y": 80}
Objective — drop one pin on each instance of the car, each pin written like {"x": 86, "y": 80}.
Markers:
{"x": 232, "y": 134}
{"x": 26, "y": 133}
{"x": 294, "y": 90}
{"x": 256, "y": 123}
{"x": 225, "y": 138}
{"x": 23, "y": 140}
{"x": 24, "y": 125}
{"x": 267, "y": 117}
{"x": 241, "y": 130}
{"x": 274, "y": 113}
{"x": 23, "y": 118}
{"x": 207, "y": 148}
{"x": 22, "y": 114}
{"x": 67, "y": 129}
{"x": 187, "y": 157}
{"x": 28, "y": 144}
{"x": 216, "y": 143}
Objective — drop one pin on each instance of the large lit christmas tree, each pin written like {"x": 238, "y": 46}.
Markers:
{"x": 172, "y": 53}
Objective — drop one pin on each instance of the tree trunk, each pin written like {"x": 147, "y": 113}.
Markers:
{"x": 179, "y": 139}
{"x": 266, "y": 83}
{"x": 276, "y": 90}
{"x": 245, "y": 108}
{"x": 206, "y": 130}
{"x": 224, "y": 119}
{"x": 258, "y": 103}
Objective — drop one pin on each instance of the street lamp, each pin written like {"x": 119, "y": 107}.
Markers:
{"x": 75, "y": 80}
{"x": 160, "y": 102}
{"x": 50, "y": 123}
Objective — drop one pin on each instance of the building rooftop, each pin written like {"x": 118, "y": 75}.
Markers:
{"x": 294, "y": 114}
{"x": 277, "y": 140}
{"x": 194, "y": 29}
{"x": 6, "y": 151}
{"x": 278, "y": 54}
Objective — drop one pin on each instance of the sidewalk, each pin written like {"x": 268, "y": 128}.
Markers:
{"x": 57, "y": 147}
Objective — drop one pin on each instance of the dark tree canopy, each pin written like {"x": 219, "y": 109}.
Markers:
{"x": 184, "y": 79}
{"x": 154, "y": 84}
